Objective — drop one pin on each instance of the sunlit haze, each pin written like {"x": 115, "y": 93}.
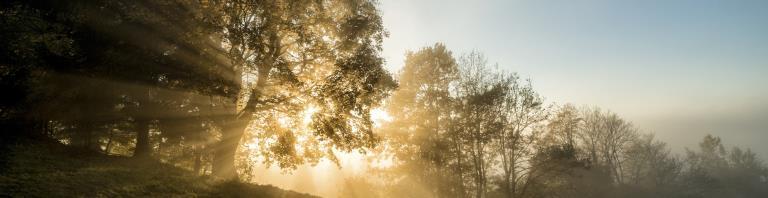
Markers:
{"x": 681, "y": 69}
{"x": 384, "y": 98}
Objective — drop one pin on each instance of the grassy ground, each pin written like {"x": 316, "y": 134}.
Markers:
{"x": 55, "y": 170}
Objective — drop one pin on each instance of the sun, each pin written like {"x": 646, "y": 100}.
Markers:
{"x": 379, "y": 117}
{"x": 307, "y": 114}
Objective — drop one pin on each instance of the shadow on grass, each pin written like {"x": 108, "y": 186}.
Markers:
{"x": 35, "y": 169}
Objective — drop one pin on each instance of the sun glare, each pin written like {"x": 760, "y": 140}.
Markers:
{"x": 308, "y": 113}
{"x": 284, "y": 121}
{"x": 380, "y": 116}
{"x": 327, "y": 176}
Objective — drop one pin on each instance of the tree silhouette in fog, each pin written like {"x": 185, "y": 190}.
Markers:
{"x": 461, "y": 128}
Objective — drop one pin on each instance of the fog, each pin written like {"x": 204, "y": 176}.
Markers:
{"x": 679, "y": 69}
{"x": 367, "y": 98}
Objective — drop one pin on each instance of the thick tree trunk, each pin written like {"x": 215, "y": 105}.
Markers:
{"x": 224, "y": 153}
{"x": 224, "y": 156}
{"x": 143, "y": 148}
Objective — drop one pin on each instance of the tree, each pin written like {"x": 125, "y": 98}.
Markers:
{"x": 522, "y": 109}
{"x": 605, "y": 137}
{"x": 564, "y": 126}
{"x": 28, "y": 41}
{"x": 478, "y": 119}
{"x": 270, "y": 57}
{"x": 558, "y": 172}
{"x": 98, "y": 51}
{"x": 295, "y": 56}
{"x": 713, "y": 171}
{"x": 419, "y": 135}
{"x": 650, "y": 166}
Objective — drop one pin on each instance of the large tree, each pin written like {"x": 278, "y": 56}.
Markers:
{"x": 320, "y": 57}
{"x": 271, "y": 59}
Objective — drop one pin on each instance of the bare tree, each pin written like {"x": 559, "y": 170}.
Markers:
{"x": 605, "y": 136}
{"x": 478, "y": 120}
{"x": 521, "y": 109}
{"x": 649, "y": 163}
{"x": 563, "y": 126}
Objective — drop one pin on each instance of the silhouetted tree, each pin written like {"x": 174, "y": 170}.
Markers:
{"x": 522, "y": 109}
{"x": 479, "y": 120}
{"x": 605, "y": 137}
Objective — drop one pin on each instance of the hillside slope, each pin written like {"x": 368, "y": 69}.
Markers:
{"x": 35, "y": 169}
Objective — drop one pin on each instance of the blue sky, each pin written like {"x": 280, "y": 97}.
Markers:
{"x": 681, "y": 69}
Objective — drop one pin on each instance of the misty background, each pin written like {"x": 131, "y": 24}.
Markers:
{"x": 681, "y": 69}
{"x": 378, "y": 98}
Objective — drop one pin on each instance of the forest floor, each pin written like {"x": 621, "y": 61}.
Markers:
{"x": 35, "y": 169}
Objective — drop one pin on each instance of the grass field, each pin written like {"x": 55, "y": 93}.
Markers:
{"x": 55, "y": 170}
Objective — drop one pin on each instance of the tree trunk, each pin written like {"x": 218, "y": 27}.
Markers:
{"x": 109, "y": 142}
{"x": 507, "y": 185}
{"x": 507, "y": 166}
{"x": 88, "y": 137}
{"x": 143, "y": 148}
{"x": 198, "y": 160}
{"x": 459, "y": 171}
{"x": 224, "y": 153}
{"x": 224, "y": 156}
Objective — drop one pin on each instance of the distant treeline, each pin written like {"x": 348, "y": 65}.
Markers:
{"x": 461, "y": 128}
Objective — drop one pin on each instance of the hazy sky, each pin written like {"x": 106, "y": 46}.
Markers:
{"x": 681, "y": 69}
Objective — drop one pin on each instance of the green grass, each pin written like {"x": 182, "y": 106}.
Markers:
{"x": 54, "y": 170}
